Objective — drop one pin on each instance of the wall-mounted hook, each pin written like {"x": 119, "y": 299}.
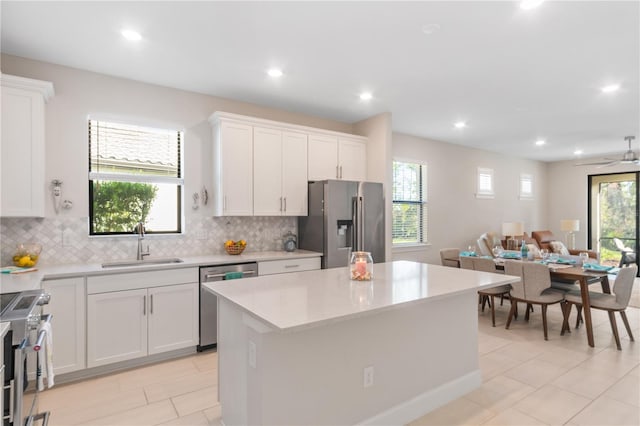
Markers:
{"x": 196, "y": 201}
{"x": 205, "y": 196}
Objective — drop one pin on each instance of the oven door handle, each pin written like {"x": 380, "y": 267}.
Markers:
{"x": 42, "y": 333}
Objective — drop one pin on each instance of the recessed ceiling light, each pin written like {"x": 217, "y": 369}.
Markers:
{"x": 366, "y": 96}
{"x": 131, "y": 35}
{"x": 530, "y": 4}
{"x": 610, "y": 88}
{"x": 460, "y": 125}
{"x": 540, "y": 142}
{"x": 274, "y": 72}
{"x": 577, "y": 152}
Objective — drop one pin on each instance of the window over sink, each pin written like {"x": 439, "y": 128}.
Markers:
{"x": 135, "y": 174}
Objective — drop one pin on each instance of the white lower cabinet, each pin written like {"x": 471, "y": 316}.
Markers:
{"x": 133, "y": 323}
{"x": 67, "y": 306}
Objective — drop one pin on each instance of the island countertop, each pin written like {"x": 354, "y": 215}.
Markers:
{"x": 303, "y": 299}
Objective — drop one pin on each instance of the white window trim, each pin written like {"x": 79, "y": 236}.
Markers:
{"x": 418, "y": 246}
{"x": 526, "y": 195}
{"x": 481, "y": 192}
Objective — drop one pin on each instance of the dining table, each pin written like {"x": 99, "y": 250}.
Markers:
{"x": 584, "y": 277}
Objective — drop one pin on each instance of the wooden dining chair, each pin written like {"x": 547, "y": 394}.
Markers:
{"x": 487, "y": 295}
{"x": 534, "y": 289}
{"x": 612, "y": 303}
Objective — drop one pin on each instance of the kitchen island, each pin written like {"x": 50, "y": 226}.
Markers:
{"x": 317, "y": 348}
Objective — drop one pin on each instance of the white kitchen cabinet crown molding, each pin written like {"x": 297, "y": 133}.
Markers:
{"x": 280, "y": 125}
{"x": 16, "y": 82}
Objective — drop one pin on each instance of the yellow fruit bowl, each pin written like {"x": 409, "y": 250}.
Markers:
{"x": 235, "y": 247}
{"x": 26, "y": 255}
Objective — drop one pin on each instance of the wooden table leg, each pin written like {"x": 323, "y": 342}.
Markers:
{"x": 605, "y": 285}
{"x": 586, "y": 304}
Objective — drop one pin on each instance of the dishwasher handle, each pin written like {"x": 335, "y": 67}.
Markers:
{"x": 210, "y": 276}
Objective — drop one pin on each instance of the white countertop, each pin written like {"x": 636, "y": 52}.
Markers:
{"x": 10, "y": 283}
{"x": 301, "y": 299}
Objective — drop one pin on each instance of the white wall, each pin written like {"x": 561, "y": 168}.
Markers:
{"x": 456, "y": 218}
{"x": 568, "y": 193}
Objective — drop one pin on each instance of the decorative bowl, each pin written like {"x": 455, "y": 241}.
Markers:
{"x": 235, "y": 247}
{"x": 26, "y": 255}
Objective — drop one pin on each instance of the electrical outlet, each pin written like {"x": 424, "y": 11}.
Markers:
{"x": 252, "y": 354}
{"x": 368, "y": 377}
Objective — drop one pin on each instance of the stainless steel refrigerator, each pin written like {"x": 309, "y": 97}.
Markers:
{"x": 344, "y": 216}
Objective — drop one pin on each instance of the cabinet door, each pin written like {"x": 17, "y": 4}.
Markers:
{"x": 67, "y": 306}
{"x": 173, "y": 317}
{"x": 352, "y": 156}
{"x": 294, "y": 173}
{"x": 116, "y": 326}
{"x": 322, "y": 159}
{"x": 23, "y": 155}
{"x": 236, "y": 150}
{"x": 267, "y": 172}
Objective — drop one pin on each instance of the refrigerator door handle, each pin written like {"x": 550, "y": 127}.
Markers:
{"x": 360, "y": 224}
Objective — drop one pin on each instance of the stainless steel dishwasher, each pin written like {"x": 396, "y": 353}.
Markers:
{"x": 209, "y": 302}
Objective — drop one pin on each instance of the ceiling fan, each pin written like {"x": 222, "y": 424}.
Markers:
{"x": 628, "y": 157}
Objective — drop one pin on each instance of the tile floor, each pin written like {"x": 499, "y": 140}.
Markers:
{"x": 526, "y": 381}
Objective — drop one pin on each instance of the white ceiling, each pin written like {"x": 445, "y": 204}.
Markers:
{"x": 514, "y": 76}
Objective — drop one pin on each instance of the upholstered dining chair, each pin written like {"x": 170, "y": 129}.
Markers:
{"x": 488, "y": 265}
{"x": 534, "y": 289}
{"x": 612, "y": 303}
{"x": 450, "y": 257}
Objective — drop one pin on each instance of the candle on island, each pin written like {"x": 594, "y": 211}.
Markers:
{"x": 361, "y": 267}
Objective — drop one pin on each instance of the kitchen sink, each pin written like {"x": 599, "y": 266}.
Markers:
{"x": 159, "y": 261}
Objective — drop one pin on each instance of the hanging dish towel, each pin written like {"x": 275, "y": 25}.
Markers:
{"x": 233, "y": 275}
{"x": 45, "y": 357}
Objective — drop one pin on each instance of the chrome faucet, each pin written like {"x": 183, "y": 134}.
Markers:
{"x": 139, "y": 229}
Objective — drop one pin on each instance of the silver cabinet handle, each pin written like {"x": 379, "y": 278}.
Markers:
{"x": 337, "y": 172}
{"x": 340, "y": 172}
{"x": 144, "y": 305}
{"x": 291, "y": 266}
{"x": 285, "y": 204}
{"x": 280, "y": 203}
{"x": 151, "y": 305}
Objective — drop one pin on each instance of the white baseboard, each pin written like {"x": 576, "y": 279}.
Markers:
{"x": 422, "y": 404}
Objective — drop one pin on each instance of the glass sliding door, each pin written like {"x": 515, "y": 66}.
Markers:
{"x": 613, "y": 216}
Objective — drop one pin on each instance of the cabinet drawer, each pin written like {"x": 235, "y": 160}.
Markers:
{"x": 288, "y": 265}
{"x": 135, "y": 280}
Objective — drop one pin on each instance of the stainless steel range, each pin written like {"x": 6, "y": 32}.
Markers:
{"x": 23, "y": 311}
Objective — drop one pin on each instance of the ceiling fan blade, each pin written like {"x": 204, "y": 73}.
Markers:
{"x": 610, "y": 163}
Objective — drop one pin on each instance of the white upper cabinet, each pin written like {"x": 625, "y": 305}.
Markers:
{"x": 233, "y": 169}
{"x": 279, "y": 172}
{"x": 294, "y": 173}
{"x": 336, "y": 157}
{"x": 261, "y": 167}
{"x": 352, "y": 158}
{"x": 23, "y": 146}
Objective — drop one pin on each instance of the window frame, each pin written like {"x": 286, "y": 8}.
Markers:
{"x": 423, "y": 203}
{"x": 526, "y": 177}
{"x": 485, "y": 192}
{"x": 138, "y": 178}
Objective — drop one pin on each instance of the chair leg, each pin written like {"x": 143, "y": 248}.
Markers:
{"x": 544, "y": 321}
{"x": 623, "y": 314}
{"x": 514, "y": 303}
{"x": 579, "y": 316}
{"x": 485, "y": 299}
{"x": 493, "y": 312}
{"x": 501, "y": 299}
{"x": 566, "y": 311}
{"x": 526, "y": 312}
{"x": 512, "y": 311}
{"x": 614, "y": 329}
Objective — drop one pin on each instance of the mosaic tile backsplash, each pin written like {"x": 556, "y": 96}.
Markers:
{"x": 66, "y": 240}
